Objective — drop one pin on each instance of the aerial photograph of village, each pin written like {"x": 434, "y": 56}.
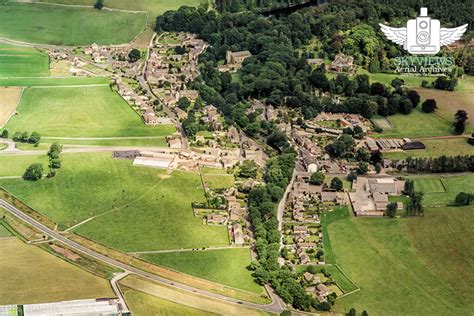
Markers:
{"x": 236, "y": 157}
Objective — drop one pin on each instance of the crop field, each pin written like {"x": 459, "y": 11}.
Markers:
{"x": 92, "y": 111}
{"x": 22, "y": 62}
{"x": 16, "y": 165}
{"x": 225, "y": 266}
{"x": 154, "y": 6}
{"x": 142, "y": 304}
{"x": 427, "y": 257}
{"x": 62, "y": 25}
{"x": 442, "y": 190}
{"x": 449, "y": 102}
{"x": 52, "y": 82}
{"x": 409, "y": 126}
{"x": 9, "y": 97}
{"x": 39, "y": 277}
{"x": 131, "y": 208}
{"x": 187, "y": 298}
{"x": 435, "y": 148}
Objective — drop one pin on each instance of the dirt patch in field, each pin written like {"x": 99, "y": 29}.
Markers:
{"x": 9, "y": 97}
{"x": 449, "y": 102}
{"x": 65, "y": 252}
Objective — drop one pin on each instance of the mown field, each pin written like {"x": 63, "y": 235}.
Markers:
{"x": 408, "y": 266}
{"x": 142, "y": 304}
{"x": 137, "y": 208}
{"x": 16, "y": 165}
{"x": 22, "y": 62}
{"x": 442, "y": 190}
{"x": 225, "y": 266}
{"x": 31, "y": 275}
{"x": 436, "y": 148}
{"x": 92, "y": 111}
{"x": 62, "y": 25}
{"x": 53, "y": 82}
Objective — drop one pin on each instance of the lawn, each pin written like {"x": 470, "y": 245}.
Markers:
{"x": 225, "y": 266}
{"x": 409, "y": 126}
{"x": 219, "y": 181}
{"x": 9, "y": 97}
{"x": 53, "y": 82}
{"x": 22, "y": 62}
{"x": 142, "y": 304}
{"x": 60, "y": 25}
{"x": 435, "y": 148}
{"x": 406, "y": 266}
{"x": 154, "y": 6}
{"x": 31, "y": 275}
{"x": 442, "y": 190}
{"x": 141, "y": 208}
{"x": 93, "y": 111}
{"x": 16, "y": 165}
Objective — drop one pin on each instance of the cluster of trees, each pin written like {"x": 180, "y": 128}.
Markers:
{"x": 442, "y": 164}
{"x": 248, "y": 169}
{"x": 353, "y": 312}
{"x": 463, "y": 198}
{"x": 391, "y": 210}
{"x": 414, "y": 207}
{"x": 54, "y": 158}
{"x": 134, "y": 55}
{"x": 460, "y": 119}
{"x": 34, "y": 172}
{"x": 192, "y": 124}
{"x": 25, "y": 137}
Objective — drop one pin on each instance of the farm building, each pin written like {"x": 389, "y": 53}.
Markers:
{"x": 413, "y": 145}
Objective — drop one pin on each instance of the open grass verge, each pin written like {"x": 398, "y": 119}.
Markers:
{"x": 226, "y": 266}
{"x": 31, "y": 275}
{"x": 62, "y": 25}
{"x": 93, "y": 111}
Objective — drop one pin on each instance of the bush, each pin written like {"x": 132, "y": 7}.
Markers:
{"x": 336, "y": 184}
{"x": 99, "y": 4}
{"x": 34, "y": 172}
{"x": 5, "y": 133}
{"x": 317, "y": 178}
{"x": 429, "y": 106}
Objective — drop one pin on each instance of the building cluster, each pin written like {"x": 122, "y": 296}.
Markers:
{"x": 316, "y": 286}
{"x": 343, "y": 120}
{"x": 116, "y": 58}
{"x": 234, "y": 60}
{"x": 343, "y": 63}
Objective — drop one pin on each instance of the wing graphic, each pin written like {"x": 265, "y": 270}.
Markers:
{"x": 396, "y": 35}
{"x": 449, "y": 36}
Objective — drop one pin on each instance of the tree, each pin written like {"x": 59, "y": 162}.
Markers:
{"x": 414, "y": 97}
{"x": 134, "y": 55}
{"x": 364, "y": 313}
{"x": 34, "y": 138}
{"x": 184, "y": 103}
{"x": 391, "y": 210}
{"x": 248, "y": 169}
{"x": 378, "y": 167}
{"x": 99, "y": 4}
{"x": 317, "y": 178}
{"x": 352, "y": 176}
{"x": 363, "y": 168}
{"x": 17, "y": 136}
{"x": 34, "y": 172}
{"x": 5, "y": 133}
{"x": 429, "y": 106}
{"x": 405, "y": 106}
{"x": 374, "y": 65}
{"x": 463, "y": 198}
{"x": 460, "y": 119}
{"x": 336, "y": 184}
{"x": 352, "y": 312}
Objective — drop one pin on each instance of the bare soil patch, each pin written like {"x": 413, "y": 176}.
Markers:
{"x": 9, "y": 97}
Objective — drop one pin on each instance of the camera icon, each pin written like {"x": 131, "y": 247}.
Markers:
{"x": 423, "y": 34}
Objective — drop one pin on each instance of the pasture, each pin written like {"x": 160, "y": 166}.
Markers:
{"x": 62, "y": 25}
{"x": 92, "y": 111}
{"x": 9, "y": 98}
{"x": 421, "y": 256}
{"x": 31, "y": 275}
{"x": 442, "y": 190}
{"x": 16, "y": 165}
{"x": 411, "y": 81}
{"x": 142, "y": 304}
{"x": 130, "y": 208}
{"x": 22, "y": 62}
{"x": 225, "y": 266}
{"x": 409, "y": 126}
{"x": 436, "y": 148}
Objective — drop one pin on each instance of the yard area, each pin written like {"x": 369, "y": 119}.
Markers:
{"x": 22, "y": 62}
{"x": 93, "y": 111}
{"x": 442, "y": 190}
{"x": 27, "y": 271}
{"x": 61, "y": 25}
{"x": 219, "y": 181}
{"x": 225, "y": 266}
{"x": 137, "y": 208}
{"x": 9, "y": 97}
{"x": 429, "y": 257}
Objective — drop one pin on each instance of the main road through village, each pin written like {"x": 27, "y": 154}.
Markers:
{"x": 276, "y": 306}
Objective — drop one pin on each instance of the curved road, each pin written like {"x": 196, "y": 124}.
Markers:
{"x": 275, "y": 307}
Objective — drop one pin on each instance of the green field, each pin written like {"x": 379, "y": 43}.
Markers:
{"x": 140, "y": 208}
{"x": 4, "y": 232}
{"x": 435, "y": 148}
{"x": 442, "y": 190}
{"x": 409, "y": 126}
{"x": 219, "y": 181}
{"x": 22, "y": 62}
{"x": 31, "y": 275}
{"x": 93, "y": 111}
{"x": 225, "y": 266}
{"x": 154, "y": 6}
{"x": 408, "y": 266}
{"x": 16, "y": 165}
{"x": 60, "y": 25}
{"x": 53, "y": 82}
{"x": 142, "y": 304}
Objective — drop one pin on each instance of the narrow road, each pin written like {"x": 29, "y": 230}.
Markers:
{"x": 118, "y": 292}
{"x": 274, "y": 307}
{"x": 282, "y": 204}
{"x": 87, "y": 149}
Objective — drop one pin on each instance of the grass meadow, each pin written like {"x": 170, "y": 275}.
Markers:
{"x": 407, "y": 266}
{"x": 93, "y": 111}
{"x": 31, "y": 275}
{"x": 62, "y": 25}
{"x": 442, "y": 190}
{"x": 52, "y": 82}
{"x": 225, "y": 266}
{"x": 435, "y": 148}
{"x": 219, "y": 181}
{"x": 16, "y": 165}
{"x": 133, "y": 208}
{"x": 22, "y": 62}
